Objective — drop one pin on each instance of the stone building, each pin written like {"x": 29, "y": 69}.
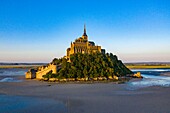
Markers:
{"x": 82, "y": 45}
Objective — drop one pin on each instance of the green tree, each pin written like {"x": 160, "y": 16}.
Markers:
{"x": 89, "y": 65}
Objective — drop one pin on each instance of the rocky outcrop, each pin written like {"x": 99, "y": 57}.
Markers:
{"x": 137, "y": 75}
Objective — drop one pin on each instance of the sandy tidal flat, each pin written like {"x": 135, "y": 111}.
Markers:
{"x": 36, "y": 96}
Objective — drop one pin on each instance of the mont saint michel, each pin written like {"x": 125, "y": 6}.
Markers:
{"x": 84, "y": 61}
{"x": 118, "y": 62}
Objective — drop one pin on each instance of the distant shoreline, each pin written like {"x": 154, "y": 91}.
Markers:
{"x": 148, "y": 66}
{"x": 139, "y": 65}
{"x": 128, "y": 66}
{"x": 19, "y": 66}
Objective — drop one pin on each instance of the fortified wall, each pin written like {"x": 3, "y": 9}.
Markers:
{"x": 45, "y": 69}
{"x": 42, "y": 70}
{"x": 31, "y": 74}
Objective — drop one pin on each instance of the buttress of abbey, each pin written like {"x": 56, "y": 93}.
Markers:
{"x": 82, "y": 45}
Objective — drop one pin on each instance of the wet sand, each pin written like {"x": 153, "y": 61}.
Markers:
{"x": 84, "y": 98}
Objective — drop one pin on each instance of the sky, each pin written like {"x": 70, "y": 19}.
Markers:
{"x": 40, "y": 30}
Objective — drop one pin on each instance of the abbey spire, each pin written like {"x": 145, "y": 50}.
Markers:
{"x": 84, "y": 34}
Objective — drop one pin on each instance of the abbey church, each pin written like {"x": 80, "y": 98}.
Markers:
{"x": 82, "y": 45}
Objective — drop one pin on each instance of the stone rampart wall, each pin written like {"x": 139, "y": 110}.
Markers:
{"x": 44, "y": 70}
{"x": 31, "y": 74}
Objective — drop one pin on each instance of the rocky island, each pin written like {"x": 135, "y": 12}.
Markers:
{"x": 84, "y": 61}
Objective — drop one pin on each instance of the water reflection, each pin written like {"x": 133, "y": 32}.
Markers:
{"x": 12, "y": 72}
{"x": 10, "y": 79}
{"x": 21, "y": 104}
{"x": 152, "y": 77}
